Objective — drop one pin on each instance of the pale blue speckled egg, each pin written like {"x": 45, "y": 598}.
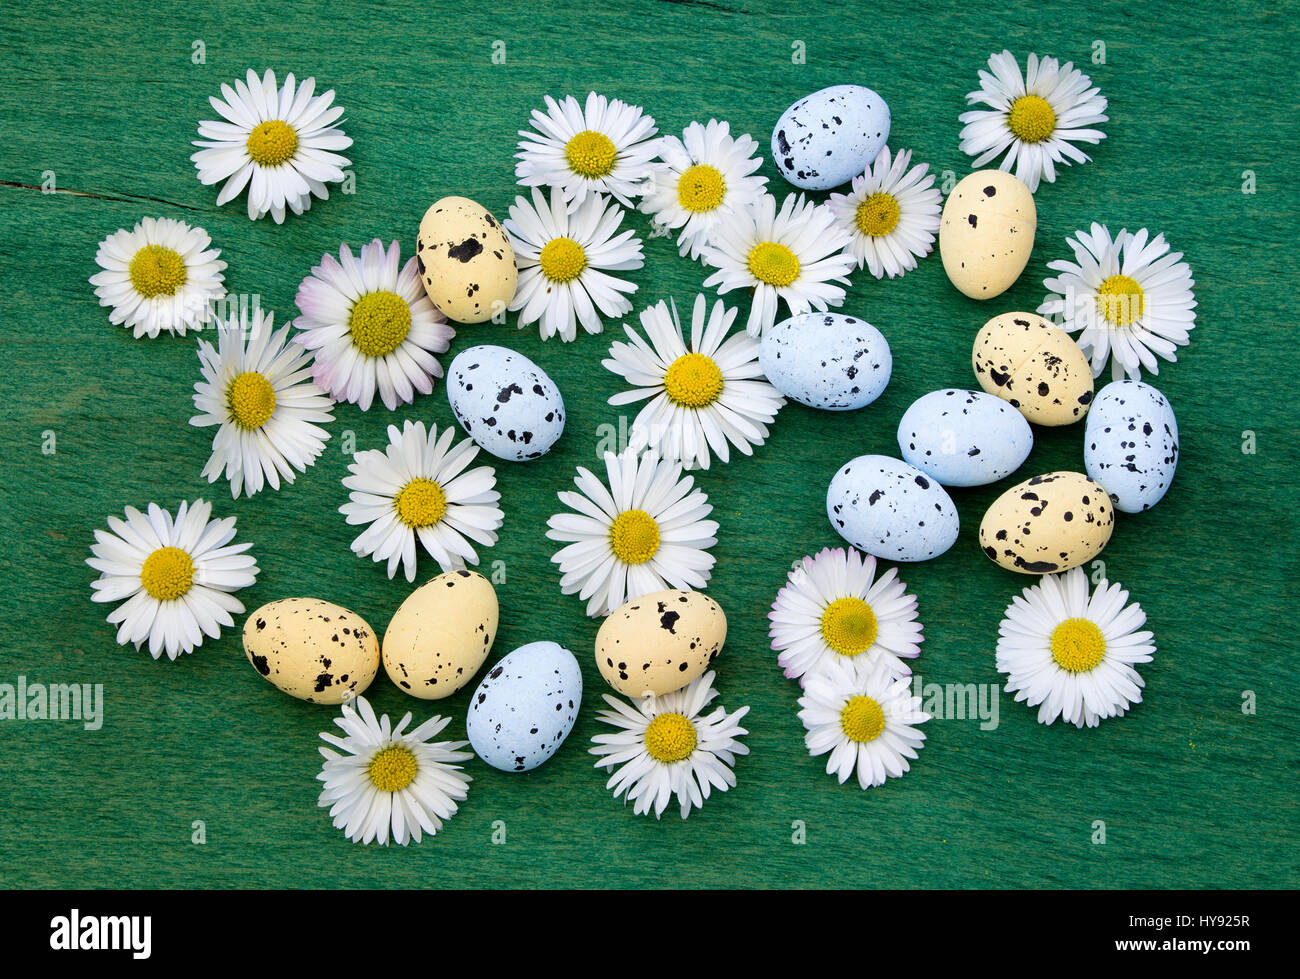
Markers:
{"x": 890, "y": 509}
{"x": 964, "y": 438}
{"x": 507, "y": 404}
{"x": 1130, "y": 445}
{"x": 826, "y": 360}
{"x": 525, "y": 707}
{"x": 829, "y": 137}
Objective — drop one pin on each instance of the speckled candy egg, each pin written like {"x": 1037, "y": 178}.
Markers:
{"x": 829, "y": 137}
{"x": 441, "y": 634}
{"x": 964, "y": 438}
{"x": 1130, "y": 445}
{"x": 313, "y": 650}
{"x": 987, "y": 233}
{"x": 888, "y": 508}
{"x": 1047, "y": 524}
{"x": 525, "y": 707}
{"x": 1035, "y": 366}
{"x": 661, "y": 642}
{"x": 505, "y": 402}
{"x": 466, "y": 263}
{"x": 826, "y": 360}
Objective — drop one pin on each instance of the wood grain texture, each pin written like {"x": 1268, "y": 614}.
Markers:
{"x": 1193, "y": 792}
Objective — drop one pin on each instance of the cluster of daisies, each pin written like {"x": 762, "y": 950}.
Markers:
{"x": 366, "y": 328}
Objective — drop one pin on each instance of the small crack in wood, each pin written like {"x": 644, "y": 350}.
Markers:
{"x": 124, "y": 199}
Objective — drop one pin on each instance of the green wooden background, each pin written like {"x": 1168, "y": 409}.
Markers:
{"x": 1192, "y": 790}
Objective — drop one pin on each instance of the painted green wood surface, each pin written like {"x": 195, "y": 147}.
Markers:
{"x": 1193, "y": 791}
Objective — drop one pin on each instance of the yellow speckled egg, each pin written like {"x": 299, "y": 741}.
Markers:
{"x": 1048, "y": 523}
{"x": 465, "y": 259}
{"x": 987, "y": 233}
{"x": 1035, "y": 366}
{"x": 441, "y": 634}
{"x": 313, "y": 650}
{"x": 660, "y": 643}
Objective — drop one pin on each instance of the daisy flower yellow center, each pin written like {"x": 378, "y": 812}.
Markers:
{"x": 1119, "y": 300}
{"x": 693, "y": 381}
{"x": 700, "y": 188}
{"x": 773, "y": 263}
{"x": 420, "y": 503}
{"x": 393, "y": 768}
{"x": 634, "y": 537}
{"x": 379, "y": 323}
{"x": 156, "y": 270}
{"x": 272, "y": 142}
{"x": 590, "y": 154}
{"x": 849, "y": 626}
{"x": 562, "y": 260}
{"x": 670, "y": 738}
{"x": 1031, "y": 119}
{"x": 167, "y": 573}
{"x": 878, "y": 214}
{"x": 250, "y": 400}
{"x": 1078, "y": 645}
{"x": 862, "y": 719}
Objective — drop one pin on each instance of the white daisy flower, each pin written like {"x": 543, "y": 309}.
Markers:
{"x": 701, "y": 398}
{"x": 371, "y": 326}
{"x": 1037, "y": 118}
{"x": 258, "y": 389}
{"x": 664, "y": 748}
{"x": 1073, "y": 653}
{"x": 793, "y": 255}
{"x": 833, "y": 607}
{"x": 389, "y": 782}
{"x": 604, "y": 149}
{"x": 705, "y": 175}
{"x": 866, "y": 718}
{"x": 418, "y": 487}
{"x": 563, "y": 259}
{"x": 1128, "y": 297}
{"x": 279, "y": 142}
{"x": 644, "y": 533}
{"x": 173, "y": 576}
{"x": 162, "y": 276}
{"x": 892, "y": 214}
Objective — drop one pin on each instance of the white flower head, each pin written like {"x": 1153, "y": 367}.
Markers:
{"x": 419, "y": 487}
{"x": 666, "y": 747}
{"x": 892, "y": 214}
{"x": 604, "y": 148}
{"x": 793, "y": 255}
{"x": 703, "y": 397}
{"x": 1036, "y": 118}
{"x": 564, "y": 260}
{"x": 387, "y": 783}
{"x": 279, "y": 142}
{"x": 1070, "y": 653}
{"x": 645, "y": 531}
{"x": 162, "y": 276}
{"x": 1128, "y": 297}
{"x": 174, "y": 576}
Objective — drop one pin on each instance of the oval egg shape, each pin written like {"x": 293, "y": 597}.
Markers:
{"x": 986, "y": 233}
{"x": 829, "y": 137}
{"x": 826, "y": 360}
{"x": 890, "y": 509}
{"x": 441, "y": 634}
{"x": 507, "y": 404}
{"x": 466, "y": 263}
{"x": 1047, "y": 524}
{"x": 964, "y": 438}
{"x": 311, "y": 649}
{"x": 525, "y": 707}
{"x": 1035, "y": 366}
{"x": 660, "y": 642}
{"x": 1130, "y": 444}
